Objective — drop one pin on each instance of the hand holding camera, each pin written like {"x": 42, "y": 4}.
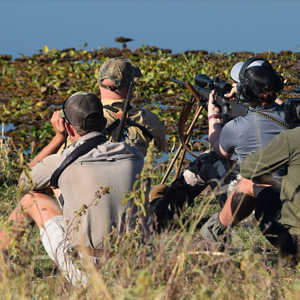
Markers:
{"x": 58, "y": 124}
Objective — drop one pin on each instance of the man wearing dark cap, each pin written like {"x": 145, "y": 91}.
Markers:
{"x": 141, "y": 126}
{"x": 257, "y": 85}
{"x": 77, "y": 174}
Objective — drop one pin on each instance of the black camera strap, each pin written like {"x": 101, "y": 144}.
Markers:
{"x": 277, "y": 121}
{"x": 79, "y": 151}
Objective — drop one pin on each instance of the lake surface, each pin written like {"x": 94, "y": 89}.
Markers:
{"x": 212, "y": 25}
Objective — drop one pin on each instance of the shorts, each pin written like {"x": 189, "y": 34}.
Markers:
{"x": 58, "y": 248}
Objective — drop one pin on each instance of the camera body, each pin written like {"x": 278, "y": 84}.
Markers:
{"x": 292, "y": 111}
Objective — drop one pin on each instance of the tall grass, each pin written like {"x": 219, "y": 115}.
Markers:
{"x": 172, "y": 266}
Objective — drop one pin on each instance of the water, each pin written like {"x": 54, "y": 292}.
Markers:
{"x": 165, "y": 156}
{"x": 180, "y": 25}
{"x": 6, "y": 127}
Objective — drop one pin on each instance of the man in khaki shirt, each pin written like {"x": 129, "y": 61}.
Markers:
{"x": 93, "y": 163}
{"x": 141, "y": 125}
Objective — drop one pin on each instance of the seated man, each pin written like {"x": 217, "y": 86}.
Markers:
{"x": 257, "y": 86}
{"x": 87, "y": 165}
{"x": 141, "y": 125}
{"x": 279, "y": 210}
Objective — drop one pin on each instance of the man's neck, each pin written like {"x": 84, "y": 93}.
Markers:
{"x": 74, "y": 138}
{"x": 113, "y": 95}
{"x": 107, "y": 94}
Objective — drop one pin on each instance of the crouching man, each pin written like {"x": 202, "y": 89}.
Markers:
{"x": 90, "y": 163}
{"x": 278, "y": 211}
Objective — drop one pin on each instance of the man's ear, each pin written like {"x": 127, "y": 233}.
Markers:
{"x": 70, "y": 129}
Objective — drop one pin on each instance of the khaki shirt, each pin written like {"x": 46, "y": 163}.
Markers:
{"x": 284, "y": 149}
{"x": 114, "y": 164}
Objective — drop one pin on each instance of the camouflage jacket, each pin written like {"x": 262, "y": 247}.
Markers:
{"x": 140, "y": 128}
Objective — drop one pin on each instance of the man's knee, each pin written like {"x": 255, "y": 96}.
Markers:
{"x": 193, "y": 180}
{"x": 39, "y": 207}
{"x": 28, "y": 200}
{"x": 245, "y": 186}
{"x": 35, "y": 199}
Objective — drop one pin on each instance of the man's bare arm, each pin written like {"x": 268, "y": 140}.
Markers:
{"x": 52, "y": 148}
{"x": 215, "y": 128}
{"x": 59, "y": 138}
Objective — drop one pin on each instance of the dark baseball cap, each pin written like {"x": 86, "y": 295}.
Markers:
{"x": 259, "y": 74}
{"x": 83, "y": 109}
{"x": 119, "y": 70}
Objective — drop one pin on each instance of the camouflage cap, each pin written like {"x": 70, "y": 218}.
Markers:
{"x": 83, "y": 109}
{"x": 119, "y": 70}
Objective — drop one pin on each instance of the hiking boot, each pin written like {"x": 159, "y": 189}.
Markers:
{"x": 178, "y": 196}
{"x": 157, "y": 192}
{"x": 203, "y": 244}
{"x": 211, "y": 235}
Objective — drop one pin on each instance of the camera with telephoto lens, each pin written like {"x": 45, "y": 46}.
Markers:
{"x": 292, "y": 111}
{"x": 204, "y": 81}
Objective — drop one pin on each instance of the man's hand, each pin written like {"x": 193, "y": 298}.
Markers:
{"x": 57, "y": 141}
{"x": 58, "y": 124}
{"x": 212, "y": 109}
{"x": 232, "y": 93}
{"x": 215, "y": 128}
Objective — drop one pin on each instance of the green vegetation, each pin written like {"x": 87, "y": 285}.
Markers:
{"x": 31, "y": 88}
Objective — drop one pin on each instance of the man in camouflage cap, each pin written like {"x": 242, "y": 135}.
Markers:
{"x": 120, "y": 71}
{"x": 141, "y": 125}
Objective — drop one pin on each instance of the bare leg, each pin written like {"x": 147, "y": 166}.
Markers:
{"x": 239, "y": 204}
{"x": 33, "y": 208}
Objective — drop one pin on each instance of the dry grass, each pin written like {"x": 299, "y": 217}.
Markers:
{"x": 172, "y": 267}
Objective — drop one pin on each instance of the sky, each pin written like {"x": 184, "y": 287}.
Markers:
{"x": 180, "y": 25}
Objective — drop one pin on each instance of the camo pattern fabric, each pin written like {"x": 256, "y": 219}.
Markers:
{"x": 119, "y": 70}
{"x": 133, "y": 135}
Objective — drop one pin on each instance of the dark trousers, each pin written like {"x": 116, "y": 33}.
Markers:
{"x": 209, "y": 169}
{"x": 268, "y": 209}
